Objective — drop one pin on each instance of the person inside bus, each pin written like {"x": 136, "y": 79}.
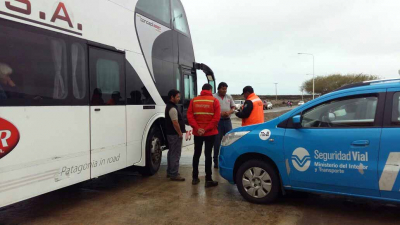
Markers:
{"x": 7, "y": 85}
{"x": 115, "y": 98}
{"x": 136, "y": 98}
{"x": 97, "y": 98}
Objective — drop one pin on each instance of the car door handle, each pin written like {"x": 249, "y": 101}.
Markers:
{"x": 360, "y": 143}
{"x": 97, "y": 110}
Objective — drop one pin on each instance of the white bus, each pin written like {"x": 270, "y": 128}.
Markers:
{"x": 83, "y": 86}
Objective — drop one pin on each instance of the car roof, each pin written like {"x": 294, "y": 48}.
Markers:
{"x": 368, "y": 85}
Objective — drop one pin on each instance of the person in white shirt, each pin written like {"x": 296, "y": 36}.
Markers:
{"x": 225, "y": 124}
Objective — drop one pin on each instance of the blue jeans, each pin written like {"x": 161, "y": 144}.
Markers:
{"x": 224, "y": 126}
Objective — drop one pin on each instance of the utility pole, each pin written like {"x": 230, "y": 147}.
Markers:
{"x": 276, "y": 92}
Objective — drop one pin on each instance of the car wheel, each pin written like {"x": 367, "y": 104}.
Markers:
{"x": 258, "y": 182}
{"x": 153, "y": 152}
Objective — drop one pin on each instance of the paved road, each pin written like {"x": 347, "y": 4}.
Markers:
{"x": 279, "y": 109}
{"x": 274, "y": 110}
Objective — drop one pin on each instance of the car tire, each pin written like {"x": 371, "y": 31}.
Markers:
{"x": 153, "y": 152}
{"x": 258, "y": 182}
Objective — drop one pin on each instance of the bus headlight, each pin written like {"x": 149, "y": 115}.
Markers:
{"x": 233, "y": 137}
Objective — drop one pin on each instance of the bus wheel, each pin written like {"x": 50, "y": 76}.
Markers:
{"x": 153, "y": 152}
{"x": 258, "y": 182}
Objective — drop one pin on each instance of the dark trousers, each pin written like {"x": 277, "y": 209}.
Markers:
{"x": 174, "y": 155}
{"x": 198, "y": 148}
{"x": 224, "y": 126}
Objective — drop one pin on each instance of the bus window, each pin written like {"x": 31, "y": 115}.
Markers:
{"x": 107, "y": 77}
{"x": 179, "y": 17}
{"x": 41, "y": 76}
{"x": 156, "y": 8}
{"x": 190, "y": 89}
{"x": 187, "y": 88}
{"x": 192, "y": 86}
{"x": 59, "y": 53}
{"x": 135, "y": 89}
{"x": 79, "y": 80}
{"x": 178, "y": 79}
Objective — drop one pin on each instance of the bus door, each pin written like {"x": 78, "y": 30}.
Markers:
{"x": 107, "y": 111}
{"x": 190, "y": 84}
{"x": 189, "y": 89}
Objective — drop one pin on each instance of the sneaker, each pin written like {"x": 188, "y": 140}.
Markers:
{"x": 195, "y": 181}
{"x": 178, "y": 178}
{"x": 211, "y": 183}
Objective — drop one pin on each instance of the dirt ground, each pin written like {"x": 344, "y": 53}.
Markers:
{"x": 125, "y": 197}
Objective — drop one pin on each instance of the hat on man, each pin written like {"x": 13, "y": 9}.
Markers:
{"x": 248, "y": 89}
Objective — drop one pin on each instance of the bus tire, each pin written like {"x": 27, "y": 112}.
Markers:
{"x": 153, "y": 152}
{"x": 258, "y": 182}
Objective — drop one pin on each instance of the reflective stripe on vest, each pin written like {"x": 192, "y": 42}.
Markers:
{"x": 203, "y": 110}
{"x": 203, "y": 113}
{"x": 257, "y": 99}
{"x": 257, "y": 115}
{"x": 203, "y": 100}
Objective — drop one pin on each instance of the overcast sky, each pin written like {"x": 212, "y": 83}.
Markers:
{"x": 256, "y": 42}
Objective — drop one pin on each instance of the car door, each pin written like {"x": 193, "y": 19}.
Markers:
{"x": 336, "y": 146}
{"x": 389, "y": 156}
{"x": 107, "y": 111}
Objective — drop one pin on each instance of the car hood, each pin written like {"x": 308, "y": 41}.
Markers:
{"x": 271, "y": 123}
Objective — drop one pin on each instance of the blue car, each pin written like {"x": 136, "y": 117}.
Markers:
{"x": 346, "y": 142}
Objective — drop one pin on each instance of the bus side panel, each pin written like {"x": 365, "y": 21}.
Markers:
{"x": 137, "y": 119}
{"x": 53, "y": 151}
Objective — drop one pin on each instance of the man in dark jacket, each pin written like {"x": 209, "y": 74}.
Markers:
{"x": 175, "y": 127}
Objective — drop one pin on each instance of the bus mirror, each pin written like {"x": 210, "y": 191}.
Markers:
{"x": 207, "y": 70}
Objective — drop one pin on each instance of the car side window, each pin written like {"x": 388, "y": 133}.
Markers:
{"x": 396, "y": 109}
{"x": 346, "y": 112}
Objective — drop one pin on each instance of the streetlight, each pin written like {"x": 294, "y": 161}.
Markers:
{"x": 313, "y": 78}
{"x": 313, "y": 83}
{"x": 276, "y": 92}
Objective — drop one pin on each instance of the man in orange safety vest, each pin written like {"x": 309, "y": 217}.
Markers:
{"x": 252, "y": 111}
